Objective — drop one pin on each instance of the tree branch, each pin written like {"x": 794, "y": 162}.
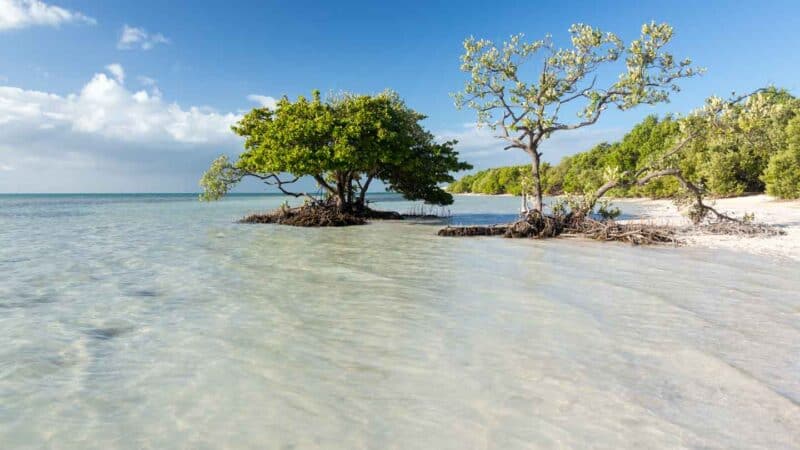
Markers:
{"x": 272, "y": 179}
{"x": 321, "y": 181}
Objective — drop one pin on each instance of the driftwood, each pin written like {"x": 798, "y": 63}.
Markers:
{"x": 633, "y": 233}
{"x": 739, "y": 228}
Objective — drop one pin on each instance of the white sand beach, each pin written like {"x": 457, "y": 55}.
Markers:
{"x": 780, "y": 213}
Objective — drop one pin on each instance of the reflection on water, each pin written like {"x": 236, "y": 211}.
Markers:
{"x": 164, "y": 324}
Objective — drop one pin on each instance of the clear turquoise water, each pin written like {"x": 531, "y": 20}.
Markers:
{"x": 158, "y": 322}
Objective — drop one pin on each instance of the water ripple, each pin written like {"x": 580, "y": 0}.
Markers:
{"x": 158, "y": 322}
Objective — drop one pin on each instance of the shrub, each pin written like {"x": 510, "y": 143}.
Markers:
{"x": 782, "y": 175}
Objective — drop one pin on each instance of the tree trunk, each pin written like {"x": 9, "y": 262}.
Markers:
{"x": 321, "y": 181}
{"x": 349, "y": 188}
{"x": 538, "y": 204}
{"x": 341, "y": 193}
{"x": 341, "y": 200}
{"x": 363, "y": 194}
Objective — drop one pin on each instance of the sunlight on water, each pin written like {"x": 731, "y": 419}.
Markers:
{"x": 158, "y": 322}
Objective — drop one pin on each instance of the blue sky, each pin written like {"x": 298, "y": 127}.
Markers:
{"x": 107, "y": 96}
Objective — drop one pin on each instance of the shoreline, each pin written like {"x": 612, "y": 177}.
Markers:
{"x": 473, "y": 194}
{"x": 784, "y": 214}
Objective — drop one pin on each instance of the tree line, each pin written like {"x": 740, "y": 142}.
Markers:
{"x": 758, "y": 152}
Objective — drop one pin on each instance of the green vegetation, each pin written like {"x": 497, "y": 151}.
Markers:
{"x": 525, "y": 90}
{"x": 782, "y": 176}
{"x": 503, "y": 180}
{"x": 746, "y": 147}
{"x": 344, "y": 144}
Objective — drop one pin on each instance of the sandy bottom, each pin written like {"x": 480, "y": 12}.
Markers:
{"x": 780, "y": 213}
{"x": 167, "y": 325}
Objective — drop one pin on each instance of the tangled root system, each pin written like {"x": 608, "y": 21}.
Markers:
{"x": 320, "y": 215}
{"x": 537, "y": 226}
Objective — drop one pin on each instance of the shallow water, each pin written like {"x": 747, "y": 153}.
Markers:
{"x": 158, "y": 322}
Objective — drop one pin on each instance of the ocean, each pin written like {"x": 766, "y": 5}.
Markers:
{"x": 157, "y": 321}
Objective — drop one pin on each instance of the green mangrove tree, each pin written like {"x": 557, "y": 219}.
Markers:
{"x": 344, "y": 143}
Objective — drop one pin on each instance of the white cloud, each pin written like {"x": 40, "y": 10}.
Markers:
{"x": 481, "y": 147}
{"x": 135, "y": 37}
{"x": 5, "y": 168}
{"x": 106, "y": 137}
{"x": 146, "y": 81}
{"x": 16, "y": 14}
{"x": 263, "y": 100}
{"x": 117, "y": 71}
{"x": 105, "y": 107}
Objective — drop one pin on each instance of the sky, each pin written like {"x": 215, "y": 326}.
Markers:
{"x": 122, "y": 96}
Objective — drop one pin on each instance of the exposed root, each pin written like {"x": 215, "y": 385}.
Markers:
{"x": 368, "y": 213}
{"x": 306, "y": 216}
{"x": 532, "y": 225}
{"x": 633, "y": 233}
{"x": 320, "y": 215}
{"x": 492, "y": 230}
{"x": 537, "y": 226}
{"x": 423, "y": 212}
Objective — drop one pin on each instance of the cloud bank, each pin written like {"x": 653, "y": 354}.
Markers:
{"x": 106, "y": 138}
{"x": 15, "y": 14}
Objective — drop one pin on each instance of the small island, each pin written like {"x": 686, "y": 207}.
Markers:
{"x": 344, "y": 143}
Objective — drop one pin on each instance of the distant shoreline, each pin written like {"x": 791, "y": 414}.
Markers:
{"x": 471, "y": 194}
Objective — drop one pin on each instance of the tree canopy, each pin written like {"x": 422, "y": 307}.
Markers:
{"x": 344, "y": 143}
{"x": 782, "y": 175}
{"x": 526, "y": 110}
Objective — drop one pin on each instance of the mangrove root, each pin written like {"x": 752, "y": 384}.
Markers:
{"x": 536, "y": 225}
{"x": 492, "y": 230}
{"x": 633, "y": 233}
{"x": 320, "y": 215}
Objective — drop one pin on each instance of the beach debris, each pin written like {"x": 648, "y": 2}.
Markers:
{"x": 745, "y": 228}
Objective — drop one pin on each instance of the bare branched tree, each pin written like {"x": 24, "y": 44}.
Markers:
{"x": 527, "y": 111}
